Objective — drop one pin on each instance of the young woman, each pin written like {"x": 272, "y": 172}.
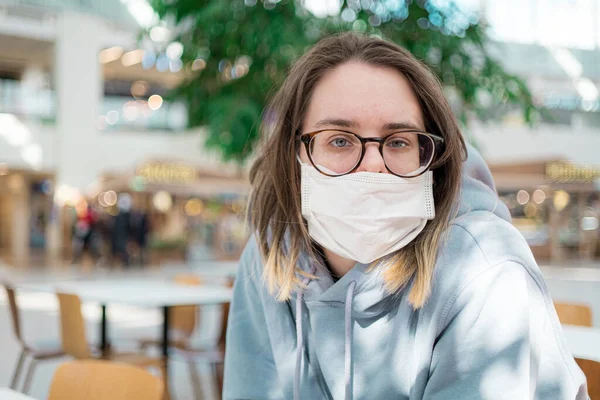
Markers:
{"x": 379, "y": 269}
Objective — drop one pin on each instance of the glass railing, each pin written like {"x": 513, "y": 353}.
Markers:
{"x": 110, "y": 10}
{"x": 117, "y": 113}
{"x": 126, "y": 113}
{"x": 29, "y": 102}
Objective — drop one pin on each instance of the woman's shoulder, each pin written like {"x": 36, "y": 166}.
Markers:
{"x": 485, "y": 234}
{"x": 478, "y": 246}
{"x": 250, "y": 264}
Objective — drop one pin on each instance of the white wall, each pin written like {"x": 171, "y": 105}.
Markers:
{"x": 124, "y": 150}
{"x": 502, "y": 143}
{"x": 27, "y": 145}
{"x": 114, "y": 151}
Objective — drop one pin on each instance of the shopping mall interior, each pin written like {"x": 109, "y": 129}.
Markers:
{"x": 91, "y": 132}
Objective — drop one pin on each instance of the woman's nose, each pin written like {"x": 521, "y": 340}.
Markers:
{"x": 372, "y": 160}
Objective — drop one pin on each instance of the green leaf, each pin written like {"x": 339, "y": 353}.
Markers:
{"x": 274, "y": 34}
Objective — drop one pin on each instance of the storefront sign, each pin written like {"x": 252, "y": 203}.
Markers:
{"x": 174, "y": 173}
{"x": 563, "y": 172}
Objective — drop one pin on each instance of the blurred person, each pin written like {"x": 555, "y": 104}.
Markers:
{"x": 140, "y": 228}
{"x": 120, "y": 232}
{"x": 594, "y": 232}
{"x": 380, "y": 266}
{"x": 85, "y": 235}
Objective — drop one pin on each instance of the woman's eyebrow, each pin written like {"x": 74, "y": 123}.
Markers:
{"x": 346, "y": 123}
{"x": 400, "y": 126}
{"x": 339, "y": 122}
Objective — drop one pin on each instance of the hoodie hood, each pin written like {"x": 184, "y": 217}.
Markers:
{"x": 478, "y": 192}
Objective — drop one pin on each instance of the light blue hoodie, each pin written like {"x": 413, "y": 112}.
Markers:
{"x": 488, "y": 331}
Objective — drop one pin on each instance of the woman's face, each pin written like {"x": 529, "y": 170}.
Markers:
{"x": 369, "y": 101}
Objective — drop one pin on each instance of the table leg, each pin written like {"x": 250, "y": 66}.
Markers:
{"x": 165, "y": 350}
{"x": 104, "y": 345}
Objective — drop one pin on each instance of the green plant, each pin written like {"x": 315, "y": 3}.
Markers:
{"x": 241, "y": 50}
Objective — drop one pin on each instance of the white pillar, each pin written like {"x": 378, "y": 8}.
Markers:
{"x": 79, "y": 91}
{"x": 21, "y": 213}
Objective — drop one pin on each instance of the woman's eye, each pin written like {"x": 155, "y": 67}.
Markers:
{"x": 340, "y": 142}
{"x": 397, "y": 143}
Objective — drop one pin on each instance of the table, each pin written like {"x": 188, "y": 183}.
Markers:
{"x": 9, "y": 394}
{"x": 140, "y": 292}
{"x": 583, "y": 341}
{"x": 212, "y": 269}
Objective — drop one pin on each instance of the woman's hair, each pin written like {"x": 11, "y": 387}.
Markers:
{"x": 275, "y": 202}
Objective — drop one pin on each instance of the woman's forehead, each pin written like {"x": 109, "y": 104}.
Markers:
{"x": 367, "y": 96}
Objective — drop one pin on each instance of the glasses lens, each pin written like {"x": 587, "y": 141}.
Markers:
{"x": 335, "y": 152}
{"x": 408, "y": 153}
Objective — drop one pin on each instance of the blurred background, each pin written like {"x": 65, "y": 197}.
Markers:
{"x": 127, "y": 127}
{"x": 100, "y": 100}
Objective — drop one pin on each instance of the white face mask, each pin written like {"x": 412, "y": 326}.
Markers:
{"x": 364, "y": 216}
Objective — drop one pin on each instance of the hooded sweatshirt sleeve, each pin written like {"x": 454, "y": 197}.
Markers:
{"x": 524, "y": 357}
{"x": 250, "y": 371}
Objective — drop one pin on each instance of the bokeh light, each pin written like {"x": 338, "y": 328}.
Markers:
{"x": 155, "y": 102}
{"x": 198, "y": 64}
{"x": 539, "y": 196}
{"x": 159, "y": 34}
{"x": 110, "y": 198}
{"x": 162, "y": 201}
{"x": 101, "y": 200}
{"x": 522, "y": 197}
{"x": 162, "y": 63}
{"x": 110, "y": 54}
{"x": 530, "y": 210}
{"x": 589, "y": 223}
{"x": 561, "y": 200}
{"x": 174, "y": 50}
{"x": 194, "y": 207}
{"x": 133, "y": 57}
{"x": 175, "y": 65}
{"x": 139, "y": 88}
{"x": 112, "y": 117}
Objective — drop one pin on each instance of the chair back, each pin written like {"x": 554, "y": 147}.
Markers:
{"x": 574, "y": 314}
{"x": 72, "y": 327}
{"x": 224, "y": 320}
{"x": 591, "y": 370}
{"x": 183, "y": 318}
{"x": 104, "y": 380}
{"x": 14, "y": 312}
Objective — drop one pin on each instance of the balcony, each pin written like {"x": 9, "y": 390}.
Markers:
{"x": 117, "y": 113}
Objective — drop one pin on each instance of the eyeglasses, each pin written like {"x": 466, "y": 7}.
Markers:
{"x": 406, "y": 154}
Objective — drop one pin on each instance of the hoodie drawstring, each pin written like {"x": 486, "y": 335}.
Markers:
{"x": 348, "y": 371}
{"x": 299, "y": 341}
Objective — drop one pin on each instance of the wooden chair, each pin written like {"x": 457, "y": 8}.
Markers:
{"x": 103, "y": 380}
{"x": 38, "y": 352}
{"x": 591, "y": 369}
{"x": 182, "y": 319}
{"x": 574, "y": 314}
{"x": 214, "y": 355}
{"x": 182, "y": 323}
{"x": 74, "y": 338}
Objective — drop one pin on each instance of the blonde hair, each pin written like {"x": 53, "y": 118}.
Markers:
{"x": 274, "y": 208}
